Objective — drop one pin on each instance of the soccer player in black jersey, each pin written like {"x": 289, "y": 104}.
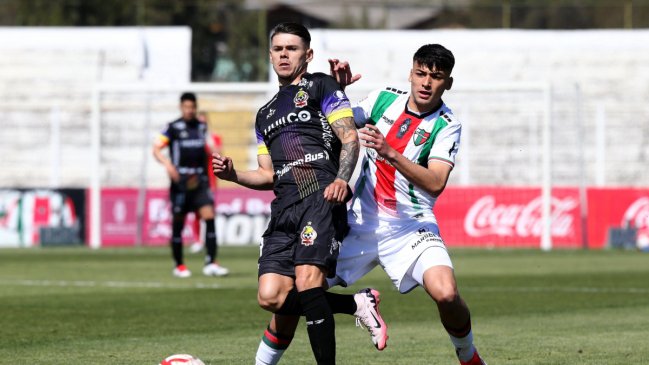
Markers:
{"x": 189, "y": 190}
{"x": 307, "y": 150}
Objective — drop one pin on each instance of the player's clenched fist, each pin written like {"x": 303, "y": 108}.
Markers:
{"x": 222, "y": 167}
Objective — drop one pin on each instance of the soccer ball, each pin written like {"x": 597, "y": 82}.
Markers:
{"x": 182, "y": 359}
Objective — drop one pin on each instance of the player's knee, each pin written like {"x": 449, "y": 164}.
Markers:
{"x": 269, "y": 300}
{"x": 446, "y": 295}
{"x": 206, "y": 213}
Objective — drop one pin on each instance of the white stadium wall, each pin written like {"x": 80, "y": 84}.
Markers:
{"x": 83, "y": 102}
{"x": 47, "y": 76}
{"x": 599, "y": 81}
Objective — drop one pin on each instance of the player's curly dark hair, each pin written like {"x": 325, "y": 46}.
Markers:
{"x": 435, "y": 55}
{"x": 292, "y": 28}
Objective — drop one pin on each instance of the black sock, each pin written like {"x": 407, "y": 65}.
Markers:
{"x": 292, "y": 305}
{"x": 177, "y": 239}
{"x": 320, "y": 325}
{"x": 341, "y": 303}
{"x": 458, "y": 332}
{"x": 210, "y": 241}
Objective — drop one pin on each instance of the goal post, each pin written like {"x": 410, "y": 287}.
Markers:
{"x": 496, "y": 118}
{"x": 543, "y": 107}
{"x": 546, "y": 185}
{"x": 506, "y": 142}
{"x": 259, "y": 90}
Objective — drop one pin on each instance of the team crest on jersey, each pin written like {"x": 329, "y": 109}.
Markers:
{"x": 403, "y": 128}
{"x": 183, "y": 134}
{"x": 301, "y": 99}
{"x": 308, "y": 235}
{"x": 420, "y": 136}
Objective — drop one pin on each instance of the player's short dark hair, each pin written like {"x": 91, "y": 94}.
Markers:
{"x": 435, "y": 55}
{"x": 292, "y": 28}
{"x": 188, "y": 97}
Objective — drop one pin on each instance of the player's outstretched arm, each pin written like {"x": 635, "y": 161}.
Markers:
{"x": 345, "y": 129}
{"x": 432, "y": 179}
{"x": 260, "y": 179}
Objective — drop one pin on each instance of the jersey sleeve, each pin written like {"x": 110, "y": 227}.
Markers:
{"x": 333, "y": 102}
{"x": 446, "y": 145}
{"x": 163, "y": 138}
{"x": 363, "y": 109}
{"x": 262, "y": 149}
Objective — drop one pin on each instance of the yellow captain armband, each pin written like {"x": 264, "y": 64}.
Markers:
{"x": 339, "y": 114}
{"x": 262, "y": 149}
{"x": 161, "y": 140}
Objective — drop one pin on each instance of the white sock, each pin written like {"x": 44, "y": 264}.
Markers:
{"x": 463, "y": 346}
{"x": 267, "y": 355}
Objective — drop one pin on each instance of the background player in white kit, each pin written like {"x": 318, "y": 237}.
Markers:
{"x": 412, "y": 139}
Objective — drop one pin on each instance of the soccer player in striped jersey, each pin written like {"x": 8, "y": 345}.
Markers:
{"x": 411, "y": 139}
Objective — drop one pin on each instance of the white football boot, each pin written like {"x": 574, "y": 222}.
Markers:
{"x": 215, "y": 270}
{"x": 181, "y": 271}
{"x": 368, "y": 315}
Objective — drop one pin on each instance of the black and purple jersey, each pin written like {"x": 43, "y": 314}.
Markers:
{"x": 294, "y": 128}
{"x": 186, "y": 141}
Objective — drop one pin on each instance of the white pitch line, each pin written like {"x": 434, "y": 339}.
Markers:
{"x": 107, "y": 284}
{"x": 548, "y": 289}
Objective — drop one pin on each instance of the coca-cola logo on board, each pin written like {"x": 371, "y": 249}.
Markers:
{"x": 637, "y": 214}
{"x": 487, "y": 217}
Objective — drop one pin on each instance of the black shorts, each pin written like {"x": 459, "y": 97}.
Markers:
{"x": 307, "y": 232}
{"x": 188, "y": 196}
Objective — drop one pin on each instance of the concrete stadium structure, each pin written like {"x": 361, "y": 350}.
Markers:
{"x": 599, "y": 84}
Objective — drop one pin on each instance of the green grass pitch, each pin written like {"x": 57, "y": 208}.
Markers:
{"x": 122, "y": 306}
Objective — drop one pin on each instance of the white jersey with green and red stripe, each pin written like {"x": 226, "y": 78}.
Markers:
{"x": 432, "y": 137}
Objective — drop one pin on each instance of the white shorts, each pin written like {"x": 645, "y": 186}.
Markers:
{"x": 404, "y": 251}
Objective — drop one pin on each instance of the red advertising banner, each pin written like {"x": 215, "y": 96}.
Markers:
{"x": 242, "y": 217}
{"x": 616, "y": 208}
{"x": 32, "y": 217}
{"x": 118, "y": 217}
{"x": 507, "y": 217}
{"x": 468, "y": 216}
{"x": 156, "y": 228}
